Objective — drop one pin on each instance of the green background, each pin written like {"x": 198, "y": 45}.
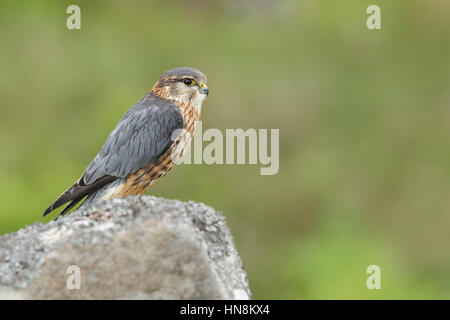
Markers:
{"x": 364, "y": 119}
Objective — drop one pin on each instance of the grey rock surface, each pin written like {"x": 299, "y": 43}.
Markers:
{"x": 132, "y": 248}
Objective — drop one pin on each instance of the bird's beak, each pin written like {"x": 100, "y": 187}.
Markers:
{"x": 203, "y": 89}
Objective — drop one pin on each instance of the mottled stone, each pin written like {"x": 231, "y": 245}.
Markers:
{"x": 131, "y": 248}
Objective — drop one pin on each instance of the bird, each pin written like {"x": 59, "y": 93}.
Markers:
{"x": 146, "y": 143}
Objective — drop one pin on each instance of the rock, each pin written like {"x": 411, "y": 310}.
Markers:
{"x": 131, "y": 248}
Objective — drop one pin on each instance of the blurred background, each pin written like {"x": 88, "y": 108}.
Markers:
{"x": 364, "y": 119}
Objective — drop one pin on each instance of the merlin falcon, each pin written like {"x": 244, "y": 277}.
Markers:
{"x": 146, "y": 143}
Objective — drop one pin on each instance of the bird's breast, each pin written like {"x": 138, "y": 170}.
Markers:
{"x": 140, "y": 181}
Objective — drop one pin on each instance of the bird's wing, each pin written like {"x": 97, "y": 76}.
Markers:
{"x": 141, "y": 137}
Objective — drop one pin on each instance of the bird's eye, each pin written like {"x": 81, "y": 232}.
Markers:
{"x": 188, "y": 82}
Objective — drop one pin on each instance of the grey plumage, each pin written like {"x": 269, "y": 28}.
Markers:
{"x": 142, "y": 135}
{"x": 184, "y": 72}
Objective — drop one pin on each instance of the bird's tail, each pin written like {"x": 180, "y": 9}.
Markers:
{"x": 75, "y": 193}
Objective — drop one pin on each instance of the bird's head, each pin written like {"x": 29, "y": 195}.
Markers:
{"x": 182, "y": 85}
